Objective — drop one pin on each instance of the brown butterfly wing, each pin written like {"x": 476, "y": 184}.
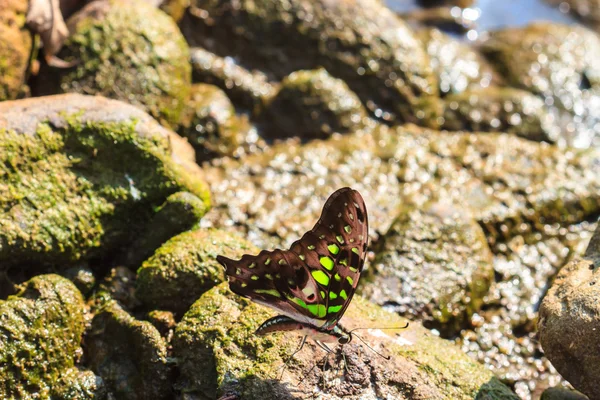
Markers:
{"x": 315, "y": 280}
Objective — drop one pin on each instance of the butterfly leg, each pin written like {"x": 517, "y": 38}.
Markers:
{"x": 302, "y": 342}
{"x": 324, "y": 346}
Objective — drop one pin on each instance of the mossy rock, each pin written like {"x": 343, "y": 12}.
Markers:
{"x": 559, "y": 63}
{"x": 217, "y": 353}
{"x": 40, "y": 334}
{"x": 511, "y": 186}
{"x": 433, "y": 264}
{"x": 81, "y": 385}
{"x": 458, "y": 66}
{"x": 129, "y": 355}
{"x": 15, "y": 48}
{"x": 501, "y": 110}
{"x": 313, "y": 104}
{"x": 185, "y": 267}
{"x": 248, "y": 90}
{"x": 211, "y": 125}
{"x": 125, "y": 50}
{"x": 80, "y": 176}
{"x": 179, "y": 213}
{"x": 361, "y": 42}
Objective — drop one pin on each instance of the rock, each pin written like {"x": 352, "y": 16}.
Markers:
{"x": 118, "y": 285}
{"x": 179, "y": 213}
{"x": 313, "y": 104}
{"x": 588, "y": 11}
{"x": 212, "y": 127}
{"x": 163, "y": 321}
{"x": 248, "y": 90}
{"x": 15, "y": 48}
{"x": 457, "y": 3}
{"x": 40, "y": 335}
{"x": 434, "y": 263}
{"x": 80, "y": 385}
{"x": 82, "y": 276}
{"x": 501, "y": 110}
{"x": 562, "y": 394}
{"x": 559, "y": 63}
{"x": 510, "y": 185}
{"x": 449, "y": 19}
{"x": 458, "y": 67}
{"x": 218, "y": 354}
{"x": 185, "y": 267}
{"x": 570, "y": 319}
{"x": 174, "y": 8}
{"x": 361, "y": 42}
{"x": 129, "y": 355}
{"x": 85, "y": 176}
{"x": 125, "y": 50}
{"x": 504, "y": 335}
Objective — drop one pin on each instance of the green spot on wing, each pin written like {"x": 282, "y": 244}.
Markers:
{"x": 254, "y": 277}
{"x": 333, "y": 248}
{"x": 272, "y": 292}
{"x": 301, "y": 256}
{"x": 332, "y": 295}
{"x": 355, "y": 250}
{"x": 348, "y": 228}
{"x": 334, "y": 309}
{"x": 298, "y": 301}
{"x": 310, "y": 247}
{"x": 350, "y": 280}
{"x": 343, "y": 295}
{"x": 337, "y": 277}
{"x": 340, "y": 239}
{"x": 317, "y": 309}
{"x": 320, "y": 277}
{"x": 326, "y": 262}
{"x": 344, "y": 262}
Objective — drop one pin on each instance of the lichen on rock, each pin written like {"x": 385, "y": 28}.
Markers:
{"x": 185, "y": 267}
{"x": 125, "y": 50}
{"x": 80, "y": 176}
{"x": 217, "y": 354}
{"x": 40, "y": 334}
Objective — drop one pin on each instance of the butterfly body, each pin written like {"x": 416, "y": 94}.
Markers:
{"x": 312, "y": 283}
{"x": 283, "y": 323}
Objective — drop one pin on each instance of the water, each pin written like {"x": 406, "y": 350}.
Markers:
{"x": 495, "y": 14}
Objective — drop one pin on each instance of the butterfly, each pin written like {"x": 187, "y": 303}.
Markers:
{"x": 313, "y": 282}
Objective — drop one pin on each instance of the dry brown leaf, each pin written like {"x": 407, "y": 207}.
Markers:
{"x": 45, "y": 18}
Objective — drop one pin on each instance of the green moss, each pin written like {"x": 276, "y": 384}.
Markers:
{"x": 15, "y": 48}
{"x": 218, "y": 353}
{"x": 40, "y": 333}
{"x": 185, "y": 267}
{"x": 80, "y": 385}
{"x": 126, "y": 50}
{"x": 215, "y": 346}
{"x": 313, "y": 104}
{"x": 69, "y": 193}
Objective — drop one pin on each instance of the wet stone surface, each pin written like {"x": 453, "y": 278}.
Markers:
{"x": 457, "y": 66}
{"x": 559, "y": 63}
{"x": 434, "y": 265}
{"x": 504, "y": 336}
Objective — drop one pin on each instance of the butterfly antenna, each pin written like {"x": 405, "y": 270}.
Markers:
{"x": 372, "y": 349}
